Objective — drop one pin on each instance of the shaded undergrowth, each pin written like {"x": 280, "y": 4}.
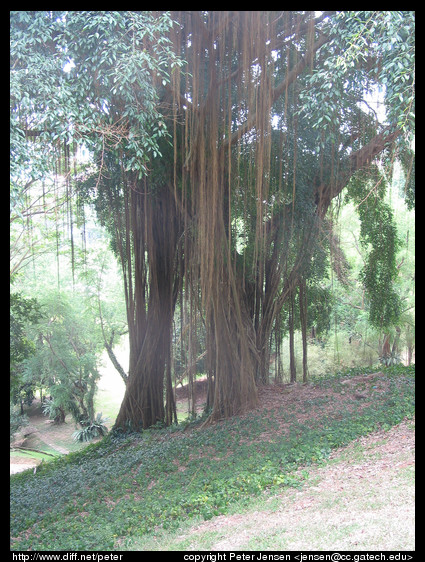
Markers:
{"x": 128, "y": 485}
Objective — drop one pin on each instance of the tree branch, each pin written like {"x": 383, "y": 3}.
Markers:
{"x": 278, "y": 90}
{"x": 115, "y": 361}
{"x": 356, "y": 161}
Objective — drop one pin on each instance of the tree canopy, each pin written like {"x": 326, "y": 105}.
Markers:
{"x": 220, "y": 142}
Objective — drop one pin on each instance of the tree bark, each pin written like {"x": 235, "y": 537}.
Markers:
{"x": 292, "y": 367}
{"x": 156, "y": 230}
{"x": 235, "y": 363}
{"x": 303, "y": 319}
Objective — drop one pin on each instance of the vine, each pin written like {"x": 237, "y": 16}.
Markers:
{"x": 378, "y": 235}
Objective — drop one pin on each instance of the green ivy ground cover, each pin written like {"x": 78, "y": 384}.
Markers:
{"x": 127, "y": 485}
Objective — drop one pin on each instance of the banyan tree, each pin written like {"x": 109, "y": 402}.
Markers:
{"x": 221, "y": 141}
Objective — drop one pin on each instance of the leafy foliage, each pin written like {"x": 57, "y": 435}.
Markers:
{"x": 123, "y": 57}
{"x": 368, "y": 50}
{"x": 393, "y": 358}
{"x": 64, "y": 361}
{"x": 35, "y": 96}
{"x": 91, "y": 428}
{"x": 16, "y": 421}
{"x": 379, "y": 235}
{"x": 23, "y": 311}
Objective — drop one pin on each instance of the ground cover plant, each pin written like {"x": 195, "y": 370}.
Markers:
{"x": 128, "y": 485}
{"x": 361, "y": 498}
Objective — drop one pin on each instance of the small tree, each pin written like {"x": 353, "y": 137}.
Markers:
{"x": 23, "y": 312}
{"x": 66, "y": 356}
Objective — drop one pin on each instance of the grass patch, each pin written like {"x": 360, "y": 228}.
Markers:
{"x": 131, "y": 486}
{"x": 24, "y": 454}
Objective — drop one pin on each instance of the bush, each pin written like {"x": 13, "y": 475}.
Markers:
{"x": 16, "y": 422}
{"x": 91, "y": 429}
{"x": 390, "y": 359}
{"x": 53, "y": 411}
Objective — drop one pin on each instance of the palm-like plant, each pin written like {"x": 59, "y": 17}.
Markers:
{"x": 91, "y": 429}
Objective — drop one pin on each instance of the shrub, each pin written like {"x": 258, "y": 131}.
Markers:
{"x": 91, "y": 429}
{"x": 390, "y": 359}
{"x": 16, "y": 422}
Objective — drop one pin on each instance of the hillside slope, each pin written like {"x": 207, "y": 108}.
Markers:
{"x": 128, "y": 489}
{"x": 363, "y": 499}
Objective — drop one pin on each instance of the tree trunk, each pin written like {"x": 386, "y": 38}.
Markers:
{"x": 303, "y": 318}
{"x": 115, "y": 361}
{"x": 292, "y": 367}
{"x": 143, "y": 403}
{"x": 155, "y": 231}
{"x": 235, "y": 364}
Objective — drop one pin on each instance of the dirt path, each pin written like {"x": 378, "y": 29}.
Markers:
{"x": 39, "y": 433}
{"x": 21, "y": 464}
{"x": 18, "y": 464}
{"x": 53, "y": 445}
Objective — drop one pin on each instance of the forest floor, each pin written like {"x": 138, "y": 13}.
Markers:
{"x": 42, "y": 435}
{"x": 360, "y": 498}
